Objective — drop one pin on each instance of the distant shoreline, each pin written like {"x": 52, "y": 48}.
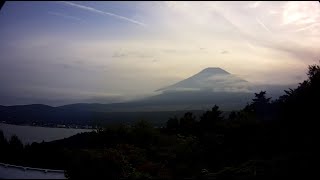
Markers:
{"x": 29, "y": 134}
{"x": 30, "y": 125}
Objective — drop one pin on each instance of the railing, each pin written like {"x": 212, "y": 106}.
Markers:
{"x": 29, "y": 170}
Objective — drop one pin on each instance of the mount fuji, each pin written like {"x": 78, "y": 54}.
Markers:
{"x": 211, "y": 79}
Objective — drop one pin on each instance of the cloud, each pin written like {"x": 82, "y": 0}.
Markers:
{"x": 170, "y": 51}
{"x": 255, "y": 4}
{"x": 122, "y": 54}
{"x": 176, "y": 51}
{"x": 312, "y": 26}
{"x": 119, "y": 55}
{"x": 225, "y": 52}
{"x": 54, "y": 96}
{"x": 103, "y": 12}
{"x": 262, "y": 25}
{"x": 300, "y": 13}
{"x": 184, "y": 38}
{"x": 65, "y": 16}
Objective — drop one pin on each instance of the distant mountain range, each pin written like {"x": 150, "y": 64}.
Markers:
{"x": 197, "y": 93}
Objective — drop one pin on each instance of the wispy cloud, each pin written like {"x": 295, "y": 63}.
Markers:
{"x": 262, "y": 25}
{"x": 65, "y": 16}
{"x": 308, "y": 27}
{"x": 255, "y": 4}
{"x": 301, "y": 13}
{"x": 139, "y": 54}
{"x": 250, "y": 45}
{"x": 87, "y": 8}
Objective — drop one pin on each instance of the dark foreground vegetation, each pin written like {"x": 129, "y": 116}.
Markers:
{"x": 266, "y": 139}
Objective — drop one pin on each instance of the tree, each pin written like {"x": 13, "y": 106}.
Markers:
{"x": 232, "y": 116}
{"x": 3, "y": 146}
{"x": 260, "y": 98}
{"x": 188, "y": 122}
{"x": 187, "y": 156}
{"x": 314, "y": 73}
{"x": 143, "y": 133}
{"x": 3, "y": 140}
{"x": 107, "y": 164}
{"x": 260, "y": 106}
{"x": 15, "y": 150}
{"x": 15, "y": 143}
{"x": 173, "y": 123}
{"x": 209, "y": 119}
{"x": 300, "y": 109}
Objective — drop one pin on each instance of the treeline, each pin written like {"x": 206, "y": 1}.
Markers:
{"x": 266, "y": 139}
{"x": 10, "y": 150}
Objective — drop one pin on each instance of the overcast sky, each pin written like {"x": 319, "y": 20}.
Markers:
{"x": 66, "y": 52}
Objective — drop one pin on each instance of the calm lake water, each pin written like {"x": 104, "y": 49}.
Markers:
{"x": 30, "y": 134}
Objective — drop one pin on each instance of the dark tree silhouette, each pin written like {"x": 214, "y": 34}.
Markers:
{"x": 260, "y": 106}
{"x": 144, "y": 133}
{"x": 173, "y": 123}
{"x": 3, "y": 140}
{"x": 109, "y": 164}
{"x": 210, "y": 118}
{"x": 15, "y": 143}
{"x": 232, "y": 116}
{"x": 3, "y": 146}
{"x": 187, "y": 123}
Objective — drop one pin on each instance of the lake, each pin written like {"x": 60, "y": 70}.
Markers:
{"x": 30, "y": 134}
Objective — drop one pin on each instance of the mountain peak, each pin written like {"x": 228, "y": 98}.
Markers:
{"x": 214, "y": 70}
{"x": 213, "y": 78}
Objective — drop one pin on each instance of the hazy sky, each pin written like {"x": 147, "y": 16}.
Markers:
{"x": 67, "y": 52}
